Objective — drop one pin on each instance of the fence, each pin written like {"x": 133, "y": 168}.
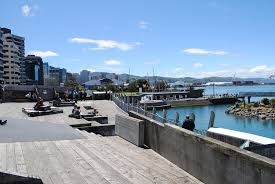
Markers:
{"x": 122, "y": 102}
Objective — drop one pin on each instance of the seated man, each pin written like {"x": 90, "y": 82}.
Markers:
{"x": 188, "y": 124}
{"x": 39, "y": 105}
{"x": 75, "y": 112}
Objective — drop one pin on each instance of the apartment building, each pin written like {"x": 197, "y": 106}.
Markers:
{"x": 13, "y": 55}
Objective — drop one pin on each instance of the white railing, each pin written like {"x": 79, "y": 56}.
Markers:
{"x": 126, "y": 107}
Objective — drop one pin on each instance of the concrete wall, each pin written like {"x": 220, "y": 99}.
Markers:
{"x": 131, "y": 129}
{"x": 18, "y": 92}
{"x": 209, "y": 160}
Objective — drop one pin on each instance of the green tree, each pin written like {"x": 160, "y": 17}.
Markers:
{"x": 161, "y": 85}
{"x": 265, "y": 101}
{"x": 272, "y": 102}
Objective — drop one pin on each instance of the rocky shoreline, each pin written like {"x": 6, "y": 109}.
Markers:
{"x": 264, "y": 113}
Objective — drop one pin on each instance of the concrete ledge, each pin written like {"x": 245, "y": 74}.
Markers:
{"x": 12, "y": 178}
{"x": 207, "y": 159}
{"x": 130, "y": 129}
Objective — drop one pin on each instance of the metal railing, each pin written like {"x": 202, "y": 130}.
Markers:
{"x": 126, "y": 107}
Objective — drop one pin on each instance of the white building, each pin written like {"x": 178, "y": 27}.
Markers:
{"x": 13, "y": 55}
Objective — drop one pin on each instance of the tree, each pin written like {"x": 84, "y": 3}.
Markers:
{"x": 161, "y": 85}
{"x": 265, "y": 101}
{"x": 272, "y": 102}
{"x": 140, "y": 83}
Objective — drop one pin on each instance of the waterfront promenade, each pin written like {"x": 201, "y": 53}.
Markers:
{"x": 105, "y": 108}
{"x": 82, "y": 158}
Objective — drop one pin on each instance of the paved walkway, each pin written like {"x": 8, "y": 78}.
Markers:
{"x": 105, "y": 107}
{"x": 93, "y": 160}
{"x": 19, "y": 130}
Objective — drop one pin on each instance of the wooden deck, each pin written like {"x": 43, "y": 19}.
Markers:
{"x": 96, "y": 159}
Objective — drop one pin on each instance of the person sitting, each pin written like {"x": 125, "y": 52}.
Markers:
{"x": 74, "y": 109}
{"x": 188, "y": 124}
{"x": 39, "y": 105}
{"x": 75, "y": 112}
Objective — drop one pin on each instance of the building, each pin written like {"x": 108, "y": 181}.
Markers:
{"x": 13, "y": 54}
{"x": 34, "y": 70}
{"x": 84, "y": 76}
{"x": 62, "y": 75}
{"x": 103, "y": 83}
{"x": 20, "y": 43}
{"x": 76, "y": 77}
{"x": 1, "y": 58}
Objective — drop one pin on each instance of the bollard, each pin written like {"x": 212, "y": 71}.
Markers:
{"x": 211, "y": 120}
{"x": 193, "y": 117}
{"x": 145, "y": 109}
{"x": 154, "y": 113}
{"x": 177, "y": 118}
{"x": 164, "y": 115}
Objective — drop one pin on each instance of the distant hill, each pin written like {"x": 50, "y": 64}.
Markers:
{"x": 126, "y": 77}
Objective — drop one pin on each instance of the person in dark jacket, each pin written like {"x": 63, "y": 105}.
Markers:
{"x": 188, "y": 124}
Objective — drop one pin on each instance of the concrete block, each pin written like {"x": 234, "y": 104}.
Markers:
{"x": 131, "y": 129}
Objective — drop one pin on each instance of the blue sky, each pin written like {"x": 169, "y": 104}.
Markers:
{"x": 178, "y": 38}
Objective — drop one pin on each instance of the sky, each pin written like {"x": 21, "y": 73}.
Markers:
{"x": 173, "y": 38}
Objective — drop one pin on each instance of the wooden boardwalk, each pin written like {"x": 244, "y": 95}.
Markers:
{"x": 95, "y": 159}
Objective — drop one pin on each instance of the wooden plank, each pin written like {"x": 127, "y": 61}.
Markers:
{"x": 103, "y": 168}
{"x": 11, "y": 165}
{"x": 118, "y": 164}
{"x": 34, "y": 166}
{"x": 3, "y": 157}
{"x": 55, "y": 161}
{"x": 87, "y": 170}
{"x": 70, "y": 163}
{"x": 149, "y": 158}
{"x": 20, "y": 162}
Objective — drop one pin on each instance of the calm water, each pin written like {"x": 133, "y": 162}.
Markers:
{"x": 255, "y": 126}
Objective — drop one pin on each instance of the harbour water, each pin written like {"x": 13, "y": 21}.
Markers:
{"x": 260, "y": 127}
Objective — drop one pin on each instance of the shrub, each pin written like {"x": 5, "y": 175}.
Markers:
{"x": 265, "y": 101}
{"x": 256, "y": 104}
{"x": 272, "y": 102}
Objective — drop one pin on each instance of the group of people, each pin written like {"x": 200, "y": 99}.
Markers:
{"x": 79, "y": 95}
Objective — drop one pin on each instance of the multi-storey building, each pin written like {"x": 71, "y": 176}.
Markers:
{"x": 34, "y": 70}
{"x": 62, "y": 75}
{"x": 13, "y": 54}
{"x": 1, "y": 58}
{"x": 20, "y": 43}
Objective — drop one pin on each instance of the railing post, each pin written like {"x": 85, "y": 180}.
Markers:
{"x": 154, "y": 113}
{"x": 177, "y": 118}
{"x": 164, "y": 115}
{"x": 211, "y": 120}
{"x": 145, "y": 109}
{"x": 128, "y": 103}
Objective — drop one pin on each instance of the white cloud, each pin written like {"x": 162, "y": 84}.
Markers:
{"x": 112, "y": 62}
{"x": 106, "y": 44}
{"x": 204, "y": 52}
{"x": 261, "y": 68}
{"x": 261, "y": 71}
{"x": 197, "y": 65}
{"x": 28, "y": 10}
{"x": 44, "y": 54}
{"x": 143, "y": 24}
